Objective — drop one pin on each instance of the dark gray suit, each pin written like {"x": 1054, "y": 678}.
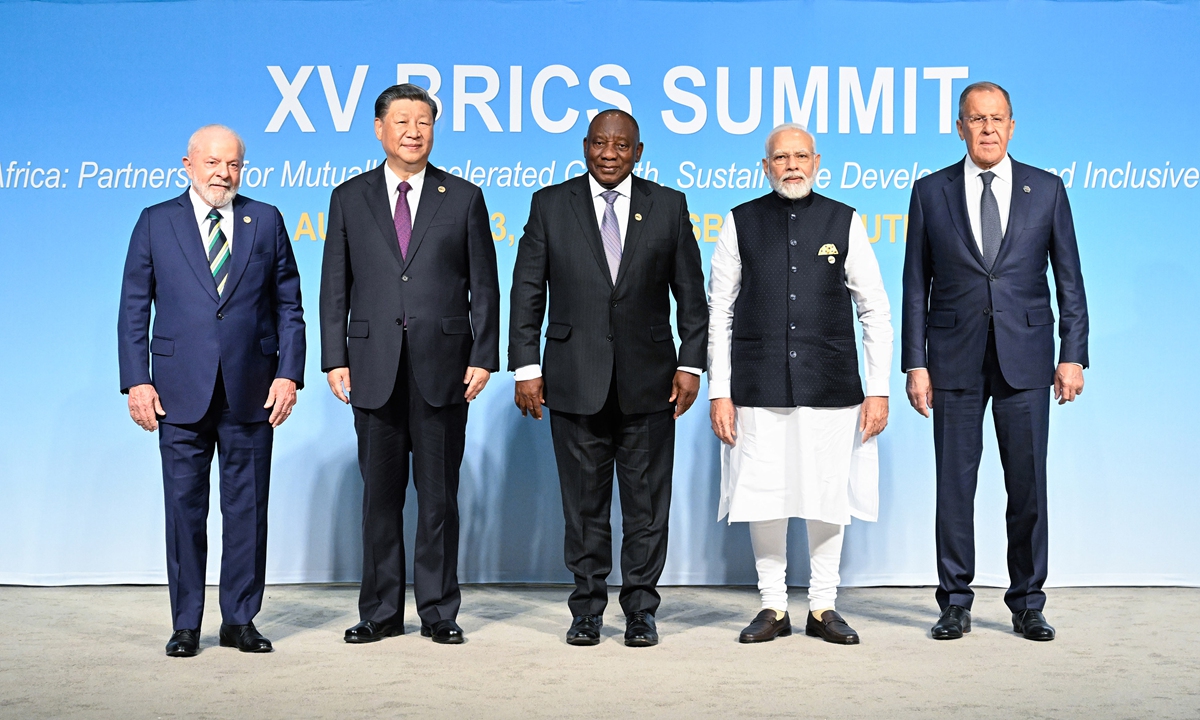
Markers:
{"x": 608, "y": 368}
{"x": 408, "y": 328}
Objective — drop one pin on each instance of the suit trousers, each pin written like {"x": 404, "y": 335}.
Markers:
{"x": 1022, "y": 420}
{"x": 244, "y": 455}
{"x": 642, "y": 449}
{"x": 434, "y": 437}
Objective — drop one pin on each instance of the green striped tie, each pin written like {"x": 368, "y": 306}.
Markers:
{"x": 218, "y": 251}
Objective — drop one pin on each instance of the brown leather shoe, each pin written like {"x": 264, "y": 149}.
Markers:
{"x": 830, "y": 628}
{"x": 766, "y": 627}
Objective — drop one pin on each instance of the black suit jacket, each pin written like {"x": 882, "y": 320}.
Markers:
{"x": 949, "y": 296}
{"x": 446, "y": 289}
{"x": 596, "y": 323}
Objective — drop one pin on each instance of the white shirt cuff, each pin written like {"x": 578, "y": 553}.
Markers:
{"x": 695, "y": 371}
{"x": 718, "y": 389}
{"x": 527, "y": 372}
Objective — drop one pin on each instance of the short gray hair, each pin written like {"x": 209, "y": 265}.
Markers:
{"x": 195, "y": 138}
{"x": 984, "y": 86}
{"x": 784, "y": 128}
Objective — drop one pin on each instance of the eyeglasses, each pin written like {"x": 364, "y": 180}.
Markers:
{"x": 781, "y": 158}
{"x": 978, "y": 121}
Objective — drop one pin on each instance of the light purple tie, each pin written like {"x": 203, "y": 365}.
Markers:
{"x": 610, "y": 233}
{"x": 403, "y": 219}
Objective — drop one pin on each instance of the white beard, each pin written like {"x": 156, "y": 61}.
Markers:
{"x": 791, "y": 191}
{"x": 216, "y": 195}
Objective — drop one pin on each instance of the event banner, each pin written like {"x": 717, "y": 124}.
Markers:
{"x": 99, "y": 98}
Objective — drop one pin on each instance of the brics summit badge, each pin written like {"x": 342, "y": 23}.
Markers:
{"x": 829, "y": 250}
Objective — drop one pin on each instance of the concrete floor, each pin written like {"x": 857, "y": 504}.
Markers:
{"x": 97, "y": 652}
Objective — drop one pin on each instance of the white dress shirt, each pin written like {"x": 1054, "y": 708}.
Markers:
{"x": 621, "y": 209}
{"x": 1001, "y": 188}
{"x": 416, "y": 182}
{"x": 863, "y": 280}
{"x": 201, "y": 207}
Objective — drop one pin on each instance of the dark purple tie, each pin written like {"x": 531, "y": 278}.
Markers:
{"x": 403, "y": 219}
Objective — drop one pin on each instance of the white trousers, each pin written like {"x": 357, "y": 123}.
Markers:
{"x": 769, "y": 538}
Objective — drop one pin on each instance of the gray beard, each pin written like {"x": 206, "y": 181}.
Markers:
{"x": 791, "y": 191}
{"x": 217, "y": 197}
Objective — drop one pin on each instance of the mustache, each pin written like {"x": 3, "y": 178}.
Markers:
{"x": 793, "y": 176}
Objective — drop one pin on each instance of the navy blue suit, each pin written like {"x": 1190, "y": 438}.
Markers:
{"x": 212, "y": 360}
{"x": 988, "y": 334}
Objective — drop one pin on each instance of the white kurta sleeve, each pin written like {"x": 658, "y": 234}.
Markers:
{"x": 724, "y": 282}
{"x": 865, "y": 284}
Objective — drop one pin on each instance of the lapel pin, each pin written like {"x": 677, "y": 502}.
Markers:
{"x": 1026, "y": 188}
{"x": 637, "y": 216}
{"x": 442, "y": 189}
{"x": 832, "y": 259}
{"x": 246, "y": 219}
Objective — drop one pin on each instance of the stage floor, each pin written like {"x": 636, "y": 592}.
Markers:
{"x": 97, "y": 652}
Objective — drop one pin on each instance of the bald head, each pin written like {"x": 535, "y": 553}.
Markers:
{"x": 209, "y": 133}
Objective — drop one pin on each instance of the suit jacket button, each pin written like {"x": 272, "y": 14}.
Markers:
{"x": 608, "y": 338}
{"x": 404, "y": 278}
{"x": 614, "y": 303}
{"x": 399, "y": 321}
{"x": 792, "y": 354}
{"x": 792, "y": 296}
{"x": 992, "y": 278}
{"x": 220, "y": 316}
{"x": 987, "y": 311}
{"x": 792, "y": 242}
{"x": 793, "y": 268}
{"x": 791, "y": 326}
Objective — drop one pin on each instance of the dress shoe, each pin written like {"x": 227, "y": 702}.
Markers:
{"x": 831, "y": 628}
{"x": 585, "y": 630}
{"x": 640, "y": 630}
{"x": 445, "y": 632}
{"x": 369, "y": 631}
{"x": 766, "y": 626}
{"x": 1032, "y": 624}
{"x": 184, "y": 643}
{"x": 954, "y": 622}
{"x": 246, "y": 638}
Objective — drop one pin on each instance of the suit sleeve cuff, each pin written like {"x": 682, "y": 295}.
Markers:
{"x": 527, "y": 372}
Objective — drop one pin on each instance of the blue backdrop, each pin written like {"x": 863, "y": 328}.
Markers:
{"x": 99, "y": 99}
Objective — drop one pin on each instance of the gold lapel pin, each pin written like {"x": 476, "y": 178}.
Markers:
{"x": 442, "y": 188}
{"x": 1026, "y": 188}
{"x": 637, "y": 216}
{"x": 246, "y": 219}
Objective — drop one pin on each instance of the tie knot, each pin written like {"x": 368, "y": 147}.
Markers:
{"x": 610, "y": 196}
{"x": 987, "y": 178}
{"x": 214, "y": 215}
{"x": 404, "y": 187}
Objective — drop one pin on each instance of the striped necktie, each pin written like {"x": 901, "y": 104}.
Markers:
{"x": 218, "y": 251}
{"x": 610, "y": 233}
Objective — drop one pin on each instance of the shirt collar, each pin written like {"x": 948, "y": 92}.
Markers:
{"x": 416, "y": 182}
{"x": 1003, "y": 169}
{"x": 201, "y": 207}
{"x": 623, "y": 188}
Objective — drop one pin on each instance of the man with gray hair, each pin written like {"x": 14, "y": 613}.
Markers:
{"x": 217, "y": 371}
{"x": 786, "y": 398}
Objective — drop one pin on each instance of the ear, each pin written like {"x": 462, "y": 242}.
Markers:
{"x": 378, "y": 129}
{"x": 958, "y": 124}
{"x": 816, "y": 165}
{"x": 637, "y": 153}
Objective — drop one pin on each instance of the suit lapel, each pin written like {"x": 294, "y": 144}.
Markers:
{"x": 585, "y": 213}
{"x": 187, "y": 233}
{"x": 640, "y": 203}
{"x": 1018, "y": 210}
{"x": 381, "y": 209}
{"x": 432, "y": 194}
{"x": 242, "y": 244}
{"x": 956, "y": 201}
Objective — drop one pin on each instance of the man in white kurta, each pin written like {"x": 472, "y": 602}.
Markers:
{"x": 812, "y": 453}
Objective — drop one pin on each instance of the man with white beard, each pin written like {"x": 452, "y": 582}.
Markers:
{"x": 786, "y": 398}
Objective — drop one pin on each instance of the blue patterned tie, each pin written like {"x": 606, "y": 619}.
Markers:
{"x": 610, "y": 233}
{"x": 218, "y": 251}
{"x": 989, "y": 221}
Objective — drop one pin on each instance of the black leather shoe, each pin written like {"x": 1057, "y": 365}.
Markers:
{"x": 765, "y": 627}
{"x": 831, "y": 628}
{"x": 446, "y": 632}
{"x": 953, "y": 624}
{"x": 585, "y": 630}
{"x": 245, "y": 638}
{"x": 184, "y": 643}
{"x": 369, "y": 631}
{"x": 640, "y": 630}
{"x": 1032, "y": 624}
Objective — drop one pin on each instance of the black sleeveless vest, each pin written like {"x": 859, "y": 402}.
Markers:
{"x": 793, "y": 322}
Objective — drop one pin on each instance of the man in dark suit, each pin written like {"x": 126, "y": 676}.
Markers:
{"x": 409, "y": 261}
{"x": 612, "y": 248}
{"x": 978, "y": 326}
{"x": 226, "y": 354}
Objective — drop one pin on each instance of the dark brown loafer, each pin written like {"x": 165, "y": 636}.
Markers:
{"x": 766, "y": 627}
{"x": 831, "y": 628}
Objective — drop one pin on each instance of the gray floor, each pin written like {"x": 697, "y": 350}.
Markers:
{"x": 96, "y": 652}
